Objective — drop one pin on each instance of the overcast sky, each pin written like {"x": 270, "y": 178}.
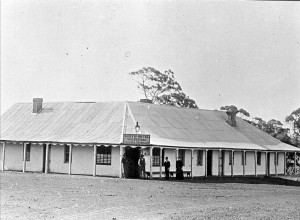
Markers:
{"x": 222, "y": 53}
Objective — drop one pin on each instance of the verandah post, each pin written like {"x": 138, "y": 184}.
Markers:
{"x": 232, "y": 162}
{"x": 47, "y": 159}
{"x": 24, "y": 157}
{"x": 266, "y": 164}
{"x": 192, "y": 152}
{"x": 219, "y": 163}
{"x": 255, "y": 162}
{"x": 275, "y": 160}
{"x": 295, "y": 162}
{"x": 95, "y": 160}
{"x": 151, "y": 153}
{"x": 160, "y": 162}
{"x": 205, "y": 162}
{"x": 121, "y": 168}
{"x": 284, "y": 163}
{"x": 3, "y": 156}
{"x": 244, "y": 154}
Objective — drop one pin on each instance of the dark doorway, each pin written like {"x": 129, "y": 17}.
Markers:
{"x": 44, "y": 157}
{"x": 133, "y": 155}
{"x": 209, "y": 162}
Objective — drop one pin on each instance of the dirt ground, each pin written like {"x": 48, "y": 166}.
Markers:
{"x": 54, "y": 196}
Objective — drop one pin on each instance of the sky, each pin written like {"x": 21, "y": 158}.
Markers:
{"x": 222, "y": 53}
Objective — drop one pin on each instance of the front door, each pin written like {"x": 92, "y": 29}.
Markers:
{"x": 209, "y": 162}
{"x": 133, "y": 155}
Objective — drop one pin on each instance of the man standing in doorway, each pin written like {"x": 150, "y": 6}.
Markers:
{"x": 142, "y": 164}
{"x": 167, "y": 168}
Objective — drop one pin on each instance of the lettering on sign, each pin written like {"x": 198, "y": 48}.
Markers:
{"x": 136, "y": 139}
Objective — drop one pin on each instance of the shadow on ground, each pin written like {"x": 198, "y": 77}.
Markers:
{"x": 247, "y": 180}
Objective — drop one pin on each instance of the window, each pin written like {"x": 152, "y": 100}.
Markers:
{"x": 181, "y": 154}
{"x": 258, "y": 160}
{"x": 103, "y": 155}
{"x": 200, "y": 158}
{"x": 231, "y": 159}
{"x": 155, "y": 156}
{"x": 66, "y": 153}
{"x": 27, "y": 153}
{"x": 276, "y": 157}
{"x": 244, "y": 153}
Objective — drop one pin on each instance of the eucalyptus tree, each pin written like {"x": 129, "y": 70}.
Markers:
{"x": 161, "y": 88}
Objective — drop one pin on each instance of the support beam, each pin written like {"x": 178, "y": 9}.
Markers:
{"x": 232, "y": 163}
{"x": 284, "y": 163}
{"x": 255, "y": 162}
{"x": 219, "y": 164}
{"x": 24, "y": 157}
{"x": 47, "y": 159}
{"x": 205, "y": 163}
{"x": 192, "y": 152}
{"x": 275, "y": 160}
{"x": 3, "y": 157}
{"x": 70, "y": 159}
{"x": 267, "y": 169}
{"x": 160, "y": 162}
{"x": 95, "y": 160}
{"x": 151, "y": 156}
{"x": 244, "y": 163}
{"x": 295, "y": 156}
{"x": 121, "y": 168}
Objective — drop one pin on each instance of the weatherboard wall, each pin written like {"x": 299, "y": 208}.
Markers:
{"x": 36, "y": 158}
{"x": 56, "y": 159}
{"x": 14, "y": 156}
{"x": 113, "y": 169}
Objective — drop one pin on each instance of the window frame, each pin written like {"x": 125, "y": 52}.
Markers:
{"x": 106, "y": 152}
{"x": 258, "y": 158}
{"x": 156, "y": 157}
{"x": 199, "y": 158}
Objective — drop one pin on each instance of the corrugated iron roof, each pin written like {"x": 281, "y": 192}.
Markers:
{"x": 101, "y": 122}
{"x": 64, "y": 122}
{"x": 191, "y": 128}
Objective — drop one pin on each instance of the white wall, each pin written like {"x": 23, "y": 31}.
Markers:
{"x": 197, "y": 169}
{"x": 56, "y": 159}
{"x": 36, "y": 158}
{"x": 82, "y": 159}
{"x": 113, "y": 169}
{"x": 13, "y": 156}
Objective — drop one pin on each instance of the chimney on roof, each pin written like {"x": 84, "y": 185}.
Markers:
{"x": 37, "y": 105}
{"x": 146, "y": 101}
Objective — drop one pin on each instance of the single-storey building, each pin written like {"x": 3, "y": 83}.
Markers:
{"x": 90, "y": 138}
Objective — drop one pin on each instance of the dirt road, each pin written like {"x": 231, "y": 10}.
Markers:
{"x": 53, "y": 196}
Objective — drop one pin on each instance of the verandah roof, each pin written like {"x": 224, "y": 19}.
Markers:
{"x": 102, "y": 122}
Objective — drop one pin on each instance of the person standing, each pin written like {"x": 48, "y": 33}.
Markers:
{"x": 125, "y": 163}
{"x": 142, "y": 164}
{"x": 167, "y": 168}
{"x": 179, "y": 171}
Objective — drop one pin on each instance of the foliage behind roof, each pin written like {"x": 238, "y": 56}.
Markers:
{"x": 102, "y": 123}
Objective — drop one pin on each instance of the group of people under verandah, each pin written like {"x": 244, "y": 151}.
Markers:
{"x": 127, "y": 167}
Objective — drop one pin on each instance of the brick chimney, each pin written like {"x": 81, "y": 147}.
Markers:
{"x": 37, "y": 105}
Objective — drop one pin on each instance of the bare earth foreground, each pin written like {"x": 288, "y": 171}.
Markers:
{"x": 52, "y": 196}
